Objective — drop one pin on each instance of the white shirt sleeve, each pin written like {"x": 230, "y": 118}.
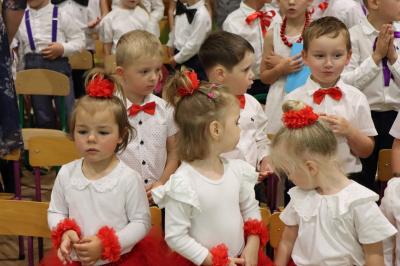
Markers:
{"x": 395, "y": 69}
{"x": 364, "y": 120}
{"x": 58, "y": 208}
{"x": 262, "y": 140}
{"x": 289, "y": 215}
{"x": 74, "y": 36}
{"x": 387, "y": 210}
{"x": 177, "y": 225}
{"x": 106, "y": 31}
{"x": 156, "y": 10}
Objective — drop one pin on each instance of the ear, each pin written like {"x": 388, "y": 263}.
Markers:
{"x": 312, "y": 168}
{"x": 304, "y": 57}
{"x": 119, "y": 71}
{"x": 374, "y": 4}
{"x": 219, "y": 73}
{"x": 349, "y": 53}
{"x": 216, "y": 129}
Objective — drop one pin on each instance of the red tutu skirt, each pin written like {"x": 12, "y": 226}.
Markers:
{"x": 150, "y": 251}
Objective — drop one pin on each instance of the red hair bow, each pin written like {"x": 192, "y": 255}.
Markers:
{"x": 100, "y": 87}
{"x": 299, "y": 118}
{"x": 190, "y": 88}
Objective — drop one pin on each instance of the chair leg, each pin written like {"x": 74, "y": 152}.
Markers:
{"x": 21, "y": 248}
{"x": 17, "y": 180}
{"x": 40, "y": 247}
{"x": 30, "y": 251}
{"x": 38, "y": 196}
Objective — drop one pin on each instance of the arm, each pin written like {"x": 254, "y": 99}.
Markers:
{"x": 105, "y": 7}
{"x": 171, "y": 11}
{"x": 107, "y": 48}
{"x": 373, "y": 254}
{"x": 269, "y": 76}
{"x": 286, "y": 244}
{"x": 74, "y": 36}
{"x": 389, "y": 244}
{"x": 396, "y": 156}
{"x": 106, "y": 34}
{"x": 262, "y": 140}
{"x": 157, "y": 10}
{"x": 13, "y": 11}
{"x": 172, "y": 160}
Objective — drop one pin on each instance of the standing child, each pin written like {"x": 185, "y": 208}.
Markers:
{"x": 327, "y": 50}
{"x": 46, "y": 38}
{"x": 330, "y": 220}
{"x": 374, "y": 68}
{"x": 276, "y": 64}
{"x": 212, "y": 217}
{"x": 152, "y": 153}
{"x": 98, "y": 211}
{"x": 348, "y": 11}
{"x": 192, "y": 25}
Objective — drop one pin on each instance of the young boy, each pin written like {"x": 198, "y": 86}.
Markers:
{"x": 327, "y": 50}
{"x": 251, "y": 21}
{"x": 46, "y": 37}
{"x": 151, "y": 152}
{"x": 374, "y": 68}
{"x": 228, "y": 59}
{"x": 192, "y": 24}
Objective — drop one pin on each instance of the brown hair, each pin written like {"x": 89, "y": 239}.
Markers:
{"x": 195, "y": 112}
{"x": 223, "y": 48}
{"x": 114, "y": 104}
{"x": 136, "y": 44}
{"x": 326, "y": 26}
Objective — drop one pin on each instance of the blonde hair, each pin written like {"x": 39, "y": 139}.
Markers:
{"x": 114, "y": 105}
{"x": 290, "y": 147}
{"x": 136, "y": 44}
{"x": 195, "y": 112}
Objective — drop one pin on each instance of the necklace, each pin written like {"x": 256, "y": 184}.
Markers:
{"x": 283, "y": 30}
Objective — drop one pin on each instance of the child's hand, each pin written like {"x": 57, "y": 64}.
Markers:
{"x": 236, "y": 261}
{"x": 53, "y": 51}
{"x": 93, "y": 23}
{"x": 89, "y": 250}
{"x": 392, "y": 53}
{"x": 272, "y": 60}
{"x": 149, "y": 188}
{"x": 338, "y": 125}
{"x": 382, "y": 43}
{"x": 250, "y": 251}
{"x": 291, "y": 64}
{"x": 69, "y": 238}
{"x": 172, "y": 62}
{"x": 264, "y": 170}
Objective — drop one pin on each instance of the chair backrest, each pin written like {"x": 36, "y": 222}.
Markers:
{"x": 42, "y": 82}
{"x": 110, "y": 63}
{"x": 265, "y": 215}
{"x": 156, "y": 218}
{"x": 82, "y": 60}
{"x": 276, "y": 227}
{"x": 166, "y": 58}
{"x": 51, "y": 151}
{"x": 24, "y": 218}
{"x": 28, "y": 133}
{"x": 14, "y": 155}
{"x": 385, "y": 165}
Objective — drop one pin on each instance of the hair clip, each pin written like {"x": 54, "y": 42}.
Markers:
{"x": 304, "y": 117}
{"x": 190, "y": 88}
{"x": 211, "y": 95}
{"x": 100, "y": 87}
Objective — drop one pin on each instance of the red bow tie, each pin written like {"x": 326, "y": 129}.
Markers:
{"x": 265, "y": 19}
{"x": 335, "y": 93}
{"x": 148, "y": 108}
{"x": 242, "y": 101}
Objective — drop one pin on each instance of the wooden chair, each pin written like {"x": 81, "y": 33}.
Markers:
{"x": 24, "y": 218}
{"x": 82, "y": 60}
{"x": 110, "y": 63}
{"x": 42, "y": 82}
{"x": 384, "y": 169}
{"x": 265, "y": 215}
{"x": 276, "y": 227}
{"x": 156, "y": 217}
{"x": 14, "y": 156}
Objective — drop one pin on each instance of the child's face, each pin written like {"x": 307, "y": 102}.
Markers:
{"x": 130, "y": 4}
{"x": 141, "y": 77}
{"x": 35, "y": 4}
{"x": 96, "y": 135}
{"x": 327, "y": 58}
{"x": 240, "y": 78}
{"x": 293, "y": 8}
{"x": 231, "y": 128}
{"x": 389, "y": 9}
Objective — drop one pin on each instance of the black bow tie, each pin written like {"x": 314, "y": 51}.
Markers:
{"x": 81, "y": 2}
{"x": 181, "y": 8}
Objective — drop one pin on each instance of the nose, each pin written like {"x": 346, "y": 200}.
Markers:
{"x": 155, "y": 75}
{"x": 251, "y": 75}
{"x": 328, "y": 62}
{"x": 92, "y": 138}
{"x": 292, "y": 2}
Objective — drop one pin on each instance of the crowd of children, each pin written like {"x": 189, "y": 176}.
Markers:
{"x": 203, "y": 149}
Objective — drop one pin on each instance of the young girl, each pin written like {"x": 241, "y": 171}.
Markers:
{"x": 276, "y": 63}
{"x": 212, "y": 217}
{"x": 98, "y": 211}
{"x": 330, "y": 220}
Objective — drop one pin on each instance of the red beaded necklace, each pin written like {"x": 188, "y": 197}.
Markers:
{"x": 283, "y": 30}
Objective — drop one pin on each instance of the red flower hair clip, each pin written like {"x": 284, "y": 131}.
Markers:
{"x": 194, "y": 83}
{"x": 299, "y": 118}
{"x": 100, "y": 87}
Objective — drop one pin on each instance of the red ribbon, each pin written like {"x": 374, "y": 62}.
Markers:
{"x": 242, "y": 101}
{"x": 264, "y": 17}
{"x": 335, "y": 93}
{"x": 148, "y": 108}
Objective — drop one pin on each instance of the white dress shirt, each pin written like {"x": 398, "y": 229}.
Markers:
{"x": 120, "y": 21}
{"x": 69, "y": 34}
{"x": 188, "y": 37}
{"x": 79, "y": 13}
{"x": 333, "y": 228}
{"x": 94, "y": 12}
{"x": 364, "y": 74}
{"x": 253, "y": 143}
{"x": 147, "y": 151}
{"x": 117, "y": 200}
{"x": 348, "y": 11}
{"x": 202, "y": 213}
{"x": 353, "y": 106}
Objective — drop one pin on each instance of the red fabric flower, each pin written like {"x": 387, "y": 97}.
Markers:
{"x": 256, "y": 227}
{"x": 194, "y": 83}
{"x": 219, "y": 255}
{"x": 61, "y": 228}
{"x": 100, "y": 87}
{"x": 111, "y": 246}
{"x": 299, "y": 118}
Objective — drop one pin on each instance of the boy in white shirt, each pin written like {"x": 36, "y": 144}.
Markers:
{"x": 251, "y": 21}
{"x": 374, "y": 68}
{"x": 46, "y": 38}
{"x": 192, "y": 25}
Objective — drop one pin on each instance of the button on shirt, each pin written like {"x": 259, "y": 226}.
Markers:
{"x": 147, "y": 152}
{"x": 364, "y": 74}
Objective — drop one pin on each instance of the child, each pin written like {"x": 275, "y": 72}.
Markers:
{"x": 129, "y": 15}
{"x": 251, "y": 21}
{"x": 348, "y": 11}
{"x": 192, "y": 25}
{"x": 276, "y": 64}
{"x": 228, "y": 60}
{"x": 152, "y": 153}
{"x": 327, "y": 50}
{"x": 98, "y": 211}
{"x": 46, "y": 37}
{"x": 330, "y": 220}
{"x": 374, "y": 69}
{"x": 211, "y": 213}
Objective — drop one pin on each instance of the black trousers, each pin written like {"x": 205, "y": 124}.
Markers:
{"x": 195, "y": 64}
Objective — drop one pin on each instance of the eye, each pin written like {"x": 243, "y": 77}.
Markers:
{"x": 104, "y": 132}
{"x": 82, "y": 132}
{"x": 319, "y": 55}
{"x": 338, "y": 55}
